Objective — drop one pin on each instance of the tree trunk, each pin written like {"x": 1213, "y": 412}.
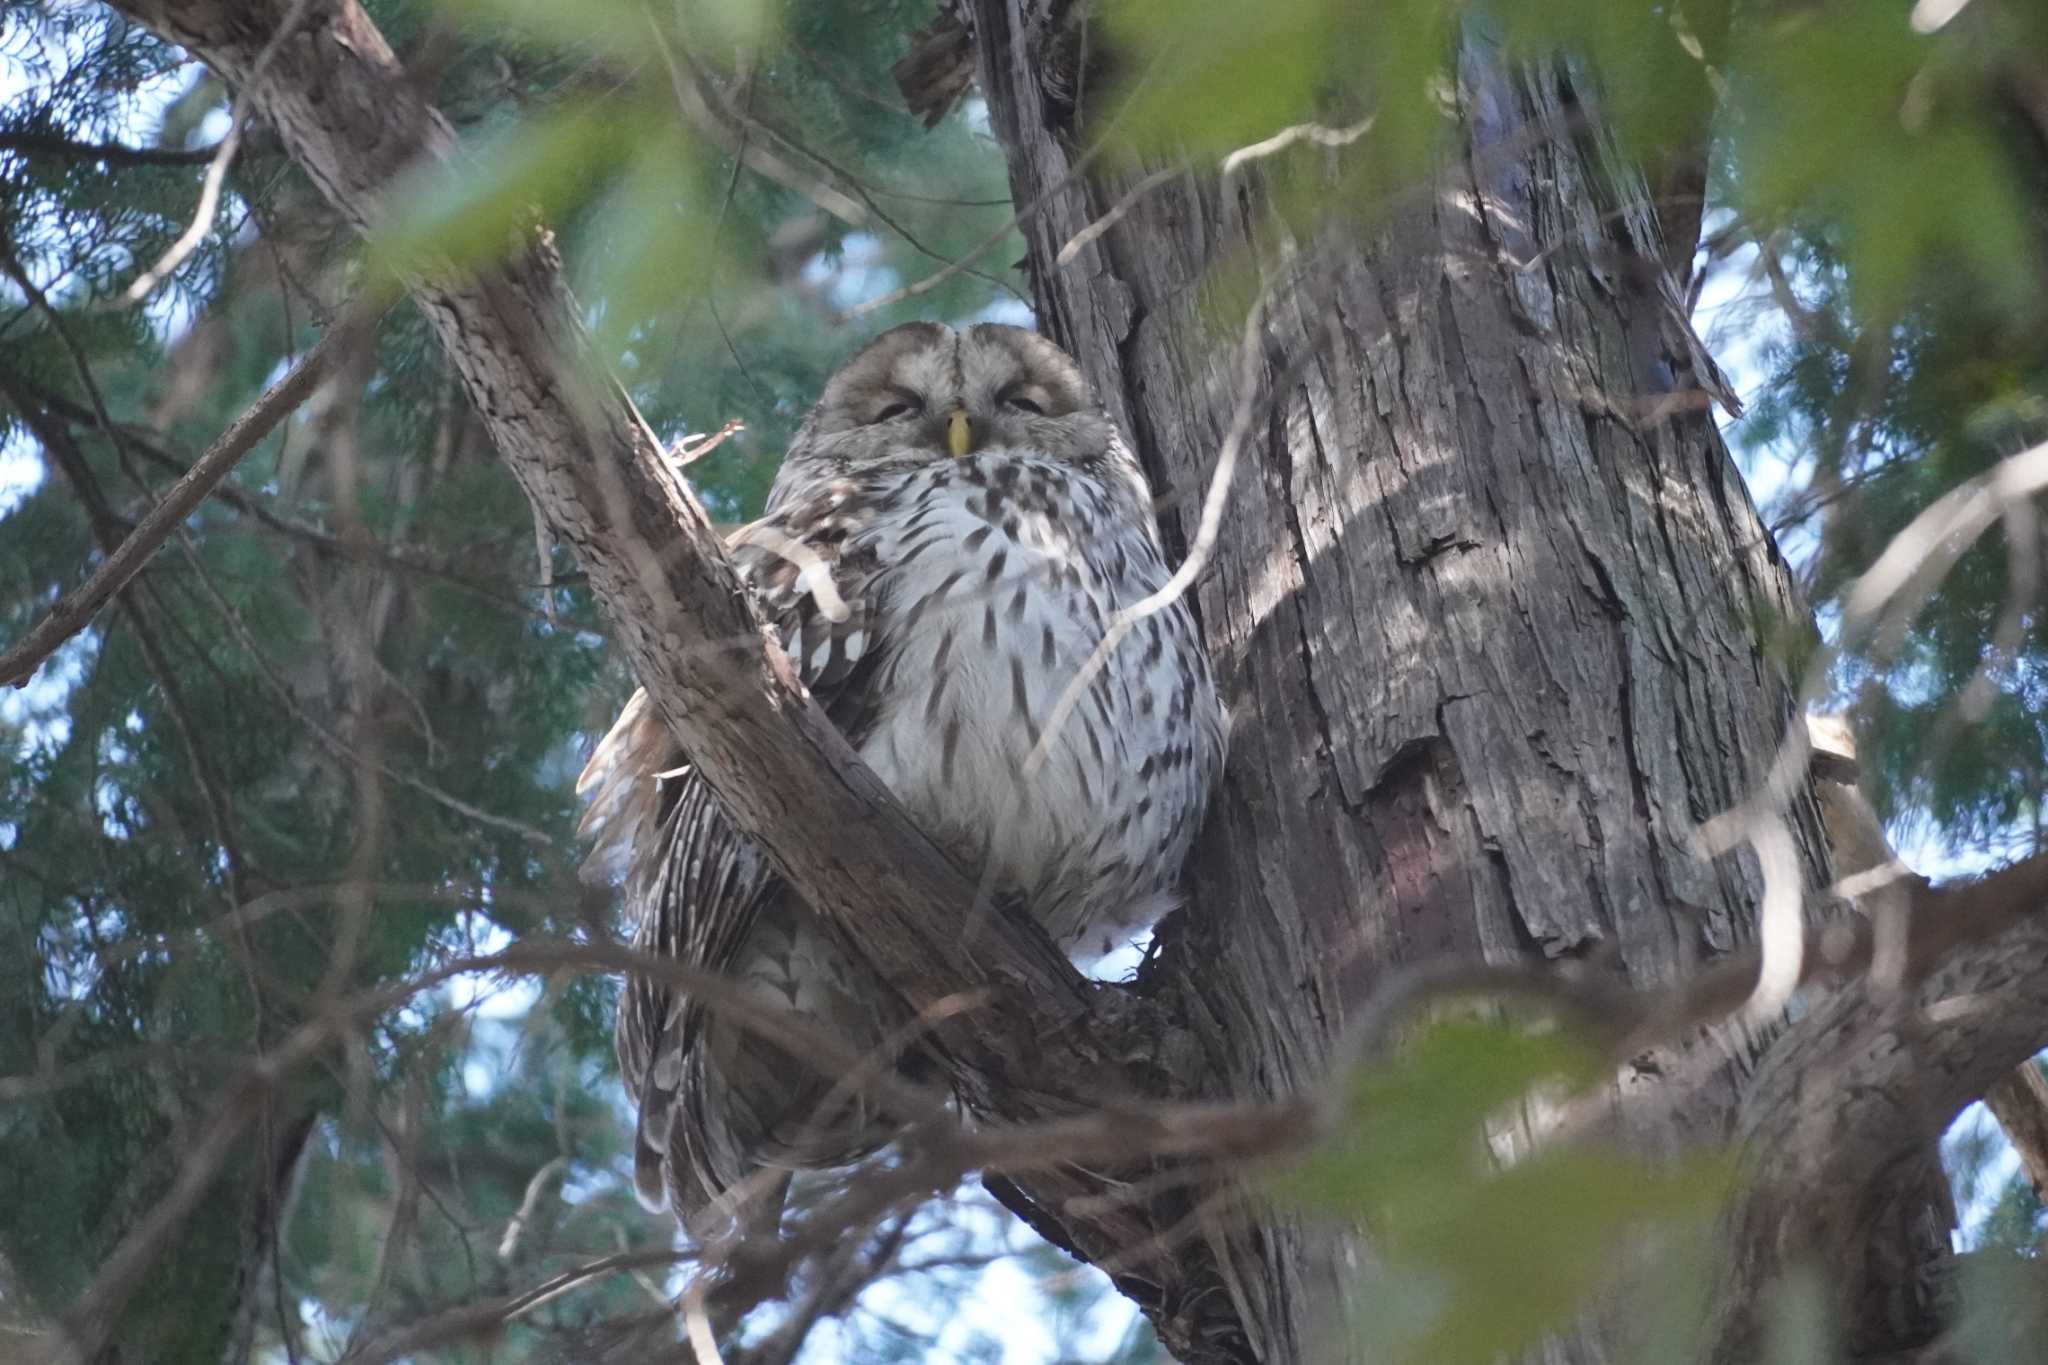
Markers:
{"x": 1490, "y": 599}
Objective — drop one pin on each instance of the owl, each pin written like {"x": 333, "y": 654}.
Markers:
{"x": 946, "y": 543}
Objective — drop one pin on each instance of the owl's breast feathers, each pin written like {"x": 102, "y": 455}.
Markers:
{"x": 938, "y": 611}
{"x": 996, "y": 577}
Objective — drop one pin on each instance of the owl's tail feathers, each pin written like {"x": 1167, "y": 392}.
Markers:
{"x": 651, "y": 1134}
{"x": 623, "y": 782}
{"x": 745, "y": 1123}
{"x": 664, "y": 1177}
{"x": 749, "y": 1211}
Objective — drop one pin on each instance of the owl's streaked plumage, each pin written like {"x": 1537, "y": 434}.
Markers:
{"x": 981, "y": 520}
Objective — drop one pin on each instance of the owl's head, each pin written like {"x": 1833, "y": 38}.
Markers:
{"x": 923, "y": 392}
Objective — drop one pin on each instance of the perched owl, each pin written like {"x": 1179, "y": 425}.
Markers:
{"x": 980, "y": 520}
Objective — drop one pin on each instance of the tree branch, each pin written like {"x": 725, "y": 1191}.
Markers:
{"x": 49, "y": 144}
{"x": 75, "y": 610}
{"x": 343, "y": 107}
{"x": 249, "y": 504}
{"x": 2020, "y": 1104}
{"x": 1857, "y": 1090}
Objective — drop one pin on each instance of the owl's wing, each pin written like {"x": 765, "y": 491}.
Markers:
{"x": 693, "y": 883}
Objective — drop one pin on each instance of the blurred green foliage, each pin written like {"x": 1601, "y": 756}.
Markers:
{"x": 1833, "y": 108}
{"x": 1475, "y": 1261}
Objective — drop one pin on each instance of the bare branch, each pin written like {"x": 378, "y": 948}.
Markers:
{"x": 217, "y": 169}
{"x": 2020, "y": 1104}
{"x": 705, "y": 108}
{"x": 75, "y": 610}
{"x": 49, "y": 144}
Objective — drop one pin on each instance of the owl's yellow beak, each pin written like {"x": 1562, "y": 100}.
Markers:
{"x": 959, "y": 434}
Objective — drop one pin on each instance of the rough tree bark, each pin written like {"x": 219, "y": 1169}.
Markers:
{"x": 1491, "y": 605}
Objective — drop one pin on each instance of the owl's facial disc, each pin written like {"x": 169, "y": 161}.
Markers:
{"x": 924, "y": 392}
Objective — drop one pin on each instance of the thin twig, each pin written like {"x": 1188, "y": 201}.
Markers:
{"x": 485, "y": 1319}
{"x": 700, "y": 105}
{"x": 1043, "y": 201}
{"x": 217, "y": 169}
{"x": 761, "y": 148}
{"x": 334, "y": 743}
{"x": 697, "y": 445}
{"x": 75, "y": 610}
{"x": 46, "y": 144}
{"x": 944, "y": 273}
{"x": 1116, "y": 213}
{"x": 202, "y": 218}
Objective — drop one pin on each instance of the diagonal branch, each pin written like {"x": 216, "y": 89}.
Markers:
{"x": 2020, "y": 1104}
{"x": 705, "y": 107}
{"x": 1859, "y": 1088}
{"x": 255, "y": 507}
{"x": 342, "y": 106}
{"x": 75, "y": 610}
{"x": 117, "y": 153}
